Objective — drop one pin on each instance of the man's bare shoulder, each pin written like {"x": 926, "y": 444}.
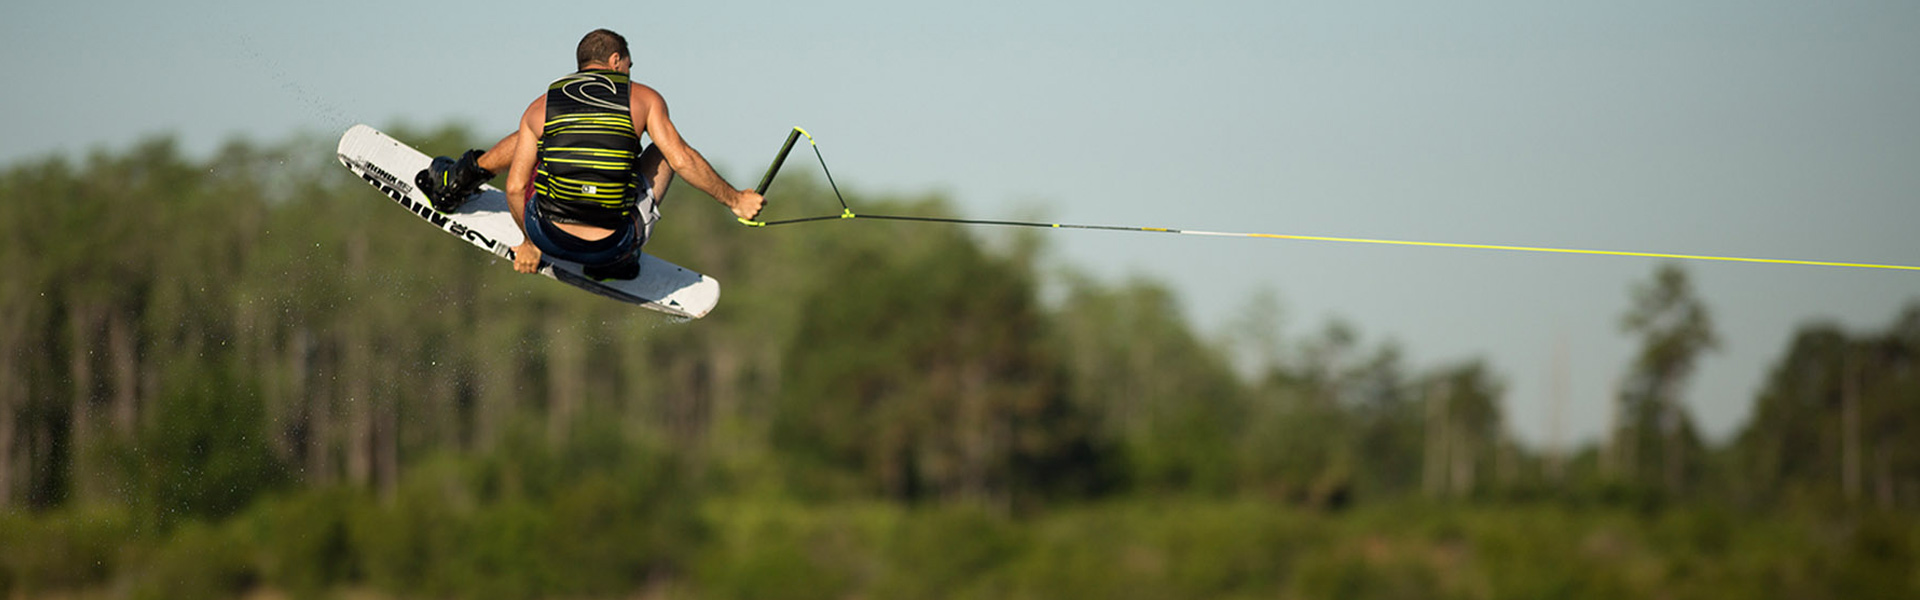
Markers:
{"x": 649, "y": 109}
{"x": 535, "y": 114}
{"x": 645, "y": 93}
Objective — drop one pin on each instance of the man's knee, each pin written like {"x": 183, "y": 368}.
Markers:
{"x": 654, "y": 168}
{"x": 652, "y": 160}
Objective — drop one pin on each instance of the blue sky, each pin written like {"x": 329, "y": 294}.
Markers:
{"x": 1755, "y": 128}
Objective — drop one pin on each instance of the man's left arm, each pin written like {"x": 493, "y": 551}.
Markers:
{"x": 687, "y": 162}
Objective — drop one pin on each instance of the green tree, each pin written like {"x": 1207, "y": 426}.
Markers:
{"x": 1835, "y": 418}
{"x": 1674, "y": 329}
{"x": 1169, "y": 401}
{"x": 919, "y": 369}
{"x": 1463, "y": 428}
{"x": 203, "y": 455}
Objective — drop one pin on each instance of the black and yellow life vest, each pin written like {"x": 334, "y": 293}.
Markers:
{"x": 589, "y": 152}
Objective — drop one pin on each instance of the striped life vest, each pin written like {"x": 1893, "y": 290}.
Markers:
{"x": 589, "y": 152}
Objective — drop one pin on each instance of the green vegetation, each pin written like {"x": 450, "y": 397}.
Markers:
{"x": 268, "y": 380}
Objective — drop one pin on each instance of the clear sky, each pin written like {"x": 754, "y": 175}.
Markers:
{"x": 1760, "y": 128}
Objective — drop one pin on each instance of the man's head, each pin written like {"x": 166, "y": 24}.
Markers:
{"x": 603, "y": 47}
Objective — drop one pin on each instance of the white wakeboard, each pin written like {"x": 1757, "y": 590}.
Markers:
{"x": 389, "y": 166}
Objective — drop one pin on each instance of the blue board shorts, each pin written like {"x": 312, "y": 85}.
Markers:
{"x": 621, "y": 246}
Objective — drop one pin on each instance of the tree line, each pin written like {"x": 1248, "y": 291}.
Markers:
{"x": 187, "y": 338}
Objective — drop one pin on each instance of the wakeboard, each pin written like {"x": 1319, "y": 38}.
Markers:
{"x": 389, "y": 166}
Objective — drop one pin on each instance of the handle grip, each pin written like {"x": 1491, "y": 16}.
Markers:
{"x": 778, "y": 160}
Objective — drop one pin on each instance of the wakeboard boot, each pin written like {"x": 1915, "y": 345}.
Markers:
{"x": 449, "y": 183}
{"x": 627, "y": 267}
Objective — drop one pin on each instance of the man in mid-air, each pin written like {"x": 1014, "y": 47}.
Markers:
{"x": 578, "y": 181}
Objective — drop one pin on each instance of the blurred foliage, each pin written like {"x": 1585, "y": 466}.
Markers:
{"x": 247, "y": 373}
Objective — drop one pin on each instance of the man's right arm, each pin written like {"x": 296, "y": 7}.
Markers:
{"x": 687, "y": 162}
{"x": 526, "y": 256}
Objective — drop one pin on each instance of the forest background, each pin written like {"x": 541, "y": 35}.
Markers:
{"x": 309, "y": 394}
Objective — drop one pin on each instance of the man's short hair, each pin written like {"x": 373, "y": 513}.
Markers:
{"x": 598, "y": 45}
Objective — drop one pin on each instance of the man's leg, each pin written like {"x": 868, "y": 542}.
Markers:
{"x": 500, "y": 156}
{"x": 655, "y": 170}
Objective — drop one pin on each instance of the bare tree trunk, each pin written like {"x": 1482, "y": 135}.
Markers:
{"x": 565, "y": 365}
{"x": 685, "y": 404}
{"x": 358, "y": 368}
{"x": 975, "y": 434}
{"x": 149, "y": 387}
{"x": 1463, "y": 461}
{"x": 723, "y": 407}
{"x": 893, "y": 459}
{"x": 322, "y": 421}
{"x": 1674, "y": 447}
{"x": 441, "y": 402}
{"x": 12, "y": 392}
{"x": 386, "y": 444}
{"x": 502, "y": 371}
{"x": 1883, "y": 455}
{"x": 305, "y": 393}
{"x": 1434, "y": 476}
{"x": 1615, "y": 458}
{"x": 9, "y": 402}
{"x": 124, "y": 343}
{"x": 1004, "y": 448}
{"x": 359, "y": 410}
{"x": 1850, "y": 429}
{"x": 1629, "y": 461}
{"x": 319, "y": 416}
{"x": 39, "y": 492}
{"x": 500, "y": 376}
{"x": 82, "y": 322}
{"x": 273, "y": 356}
{"x": 1556, "y": 442}
{"x": 1506, "y": 462}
